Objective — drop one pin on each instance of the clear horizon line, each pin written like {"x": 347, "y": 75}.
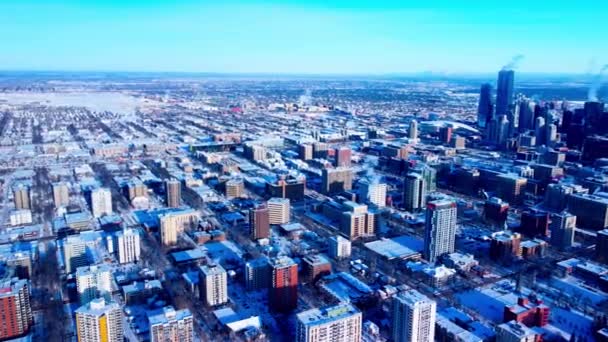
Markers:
{"x": 295, "y": 73}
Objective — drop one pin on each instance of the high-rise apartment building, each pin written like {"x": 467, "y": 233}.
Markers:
{"x": 279, "y": 210}
{"x": 339, "y": 247}
{"x": 319, "y": 150}
{"x": 16, "y": 316}
{"x": 591, "y": 210}
{"x": 99, "y": 321}
{"x": 61, "y": 194}
{"x": 128, "y": 245}
{"x": 283, "y": 291}
{"x": 440, "y": 229}
{"x": 510, "y": 187}
{"x": 373, "y": 192}
{"x": 355, "y": 224}
{"x": 74, "y": 253}
{"x": 174, "y": 223}
{"x": 257, "y": 274}
{"x": 562, "y": 229}
{"x": 287, "y": 187}
{"x": 305, "y": 151}
{"x": 173, "y": 193}
{"x": 170, "y": 325}
{"x": 259, "y": 223}
{"x": 505, "y": 246}
{"x": 136, "y": 188}
{"x": 213, "y": 285}
{"x": 101, "y": 202}
{"x": 343, "y": 157}
{"x": 338, "y": 323}
{"x": 93, "y": 282}
{"x": 336, "y": 180}
{"x": 235, "y": 188}
{"x": 601, "y": 246}
{"x": 413, "y": 317}
{"x": 414, "y": 194}
{"x": 22, "y": 196}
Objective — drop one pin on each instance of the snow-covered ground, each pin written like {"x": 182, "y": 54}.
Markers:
{"x": 95, "y": 101}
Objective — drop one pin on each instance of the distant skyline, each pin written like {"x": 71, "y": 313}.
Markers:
{"x": 303, "y": 37}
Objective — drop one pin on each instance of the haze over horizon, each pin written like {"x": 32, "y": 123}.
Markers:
{"x": 302, "y": 37}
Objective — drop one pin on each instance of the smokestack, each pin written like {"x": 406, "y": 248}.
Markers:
{"x": 513, "y": 63}
{"x": 596, "y": 84}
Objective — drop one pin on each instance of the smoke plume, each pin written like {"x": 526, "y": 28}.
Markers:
{"x": 306, "y": 98}
{"x": 596, "y": 83}
{"x": 513, "y": 63}
{"x": 370, "y": 170}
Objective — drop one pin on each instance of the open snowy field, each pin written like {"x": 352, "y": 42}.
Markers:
{"x": 95, "y": 101}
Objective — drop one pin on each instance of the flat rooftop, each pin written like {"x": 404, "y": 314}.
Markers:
{"x": 402, "y": 247}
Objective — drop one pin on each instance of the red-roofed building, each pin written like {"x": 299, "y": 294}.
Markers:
{"x": 532, "y": 314}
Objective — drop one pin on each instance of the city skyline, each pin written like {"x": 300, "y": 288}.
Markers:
{"x": 301, "y": 37}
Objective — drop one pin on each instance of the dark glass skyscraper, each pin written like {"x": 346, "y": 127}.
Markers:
{"x": 486, "y": 107}
{"x": 504, "y": 92}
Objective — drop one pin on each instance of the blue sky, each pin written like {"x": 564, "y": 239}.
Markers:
{"x": 294, "y": 36}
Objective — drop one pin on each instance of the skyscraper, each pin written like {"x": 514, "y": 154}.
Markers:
{"x": 99, "y": 321}
{"x": 413, "y": 131}
{"x": 440, "y": 229}
{"x": 540, "y": 131}
{"x": 502, "y": 131}
{"x": 128, "y": 245}
{"x": 504, "y": 92}
{"x": 101, "y": 202}
{"x": 562, "y": 229}
{"x": 213, "y": 285}
{"x": 61, "y": 194}
{"x": 413, "y": 317}
{"x": 170, "y": 325}
{"x": 414, "y": 194}
{"x": 526, "y": 114}
{"x": 283, "y": 291}
{"x": 339, "y": 323}
{"x": 173, "y": 192}
{"x": 485, "y": 108}
{"x": 259, "y": 223}
{"x": 93, "y": 282}
{"x": 16, "y": 316}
